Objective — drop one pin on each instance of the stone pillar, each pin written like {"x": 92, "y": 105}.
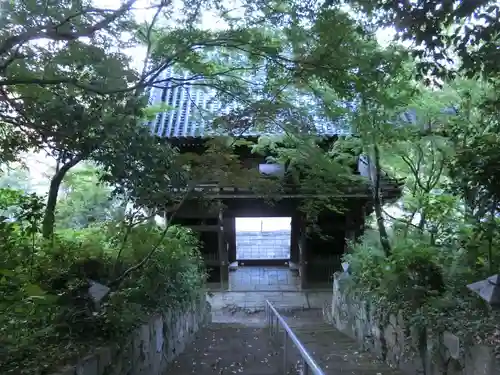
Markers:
{"x": 223, "y": 253}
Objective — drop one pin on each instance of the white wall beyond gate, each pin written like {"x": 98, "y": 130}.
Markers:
{"x": 263, "y": 238}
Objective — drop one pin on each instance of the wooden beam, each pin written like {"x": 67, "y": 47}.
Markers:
{"x": 203, "y": 228}
{"x": 223, "y": 253}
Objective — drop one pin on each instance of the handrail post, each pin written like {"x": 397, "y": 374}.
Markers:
{"x": 285, "y": 353}
{"x": 305, "y": 367}
{"x": 309, "y": 366}
{"x": 271, "y": 322}
{"x": 266, "y": 313}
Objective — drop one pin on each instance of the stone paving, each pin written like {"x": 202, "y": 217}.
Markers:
{"x": 255, "y": 301}
{"x": 263, "y": 245}
{"x": 263, "y": 279}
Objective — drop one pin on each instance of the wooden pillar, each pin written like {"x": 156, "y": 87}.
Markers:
{"x": 303, "y": 262}
{"x": 294, "y": 240}
{"x": 349, "y": 231}
{"x": 223, "y": 253}
{"x": 361, "y": 215}
{"x": 354, "y": 223}
{"x": 230, "y": 237}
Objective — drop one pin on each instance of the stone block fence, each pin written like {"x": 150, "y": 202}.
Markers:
{"x": 150, "y": 348}
{"x": 354, "y": 318}
{"x": 263, "y": 245}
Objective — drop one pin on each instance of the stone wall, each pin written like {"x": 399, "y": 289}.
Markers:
{"x": 150, "y": 348}
{"x": 452, "y": 357}
{"x": 263, "y": 245}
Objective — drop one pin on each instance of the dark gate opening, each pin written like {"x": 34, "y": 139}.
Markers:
{"x": 263, "y": 241}
{"x": 263, "y": 252}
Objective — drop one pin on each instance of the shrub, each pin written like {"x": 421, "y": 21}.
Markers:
{"x": 409, "y": 276}
{"x": 415, "y": 271}
{"x": 47, "y": 317}
{"x": 427, "y": 283}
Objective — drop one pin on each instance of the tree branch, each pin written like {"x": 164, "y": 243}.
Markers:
{"x": 137, "y": 266}
{"x": 50, "y": 31}
{"x": 407, "y": 222}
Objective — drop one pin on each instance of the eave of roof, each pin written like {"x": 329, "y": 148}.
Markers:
{"x": 193, "y": 141}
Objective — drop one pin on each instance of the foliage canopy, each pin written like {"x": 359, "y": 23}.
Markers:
{"x": 67, "y": 89}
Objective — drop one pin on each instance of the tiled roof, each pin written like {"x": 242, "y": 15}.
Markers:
{"x": 181, "y": 123}
{"x": 193, "y": 110}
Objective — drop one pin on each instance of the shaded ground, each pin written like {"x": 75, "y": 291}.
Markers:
{"x": 228, "y": 349}
{"x": 237, "y": 342}
{"x": 335, "y": 353}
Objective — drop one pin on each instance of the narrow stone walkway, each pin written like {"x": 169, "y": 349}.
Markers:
{"x": 335, "y": 353}
{"x": 237, "y": 342}
{"x": 225, "y": 349}
{"x": 263, "y": 279}
{"x": 256, "y": 300}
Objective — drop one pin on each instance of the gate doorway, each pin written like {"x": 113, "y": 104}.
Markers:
{"x": 263, "y": 241}
{"x": 263, "y": 256}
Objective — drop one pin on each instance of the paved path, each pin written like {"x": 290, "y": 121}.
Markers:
{"x": 283, "y": 300}
{"x": 263, "y": 279}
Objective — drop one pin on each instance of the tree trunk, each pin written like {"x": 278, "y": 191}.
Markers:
{"x": 491, "y": 234}
{"x": 377, "y": 202}
{"x": 421, "y": 224}
{"x": 50, "y": 208}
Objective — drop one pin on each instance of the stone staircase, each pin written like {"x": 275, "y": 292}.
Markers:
{"x": 240, "y": 344}
{"x": 226, "y": 349}
{"x": 334, "y": 352}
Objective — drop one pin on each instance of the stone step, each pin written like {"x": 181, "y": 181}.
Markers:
{"x": 334, "y": 352}
{"x": 256, "y": 300}
{"x": 226, "y": 349}
{"x": 246, "y": 348}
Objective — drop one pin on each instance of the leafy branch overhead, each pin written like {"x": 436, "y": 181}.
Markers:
{"x": 55, "y": 38}
{"x": 276, "y": 81}
{"x": 442, "y": 32}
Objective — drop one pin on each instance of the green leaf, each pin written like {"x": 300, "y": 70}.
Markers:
{"x": 33, "y": 290}
{"x": 7, "y": 272}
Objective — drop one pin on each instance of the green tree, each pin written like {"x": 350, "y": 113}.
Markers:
{"x": 16, "y": 177}
{"x": 85, "y": 200}
{"x": 78, "y": 128}
{"x": 62, "y": 38}
{"x": 442, "y": 31}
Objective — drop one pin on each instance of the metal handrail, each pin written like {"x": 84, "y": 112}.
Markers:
{"x": 308, "y": 363}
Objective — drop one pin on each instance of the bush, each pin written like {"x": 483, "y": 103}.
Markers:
{"x": 410, "y": 275}
{"x": 427, "y": 283}
{"x": 48, "y": 318}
